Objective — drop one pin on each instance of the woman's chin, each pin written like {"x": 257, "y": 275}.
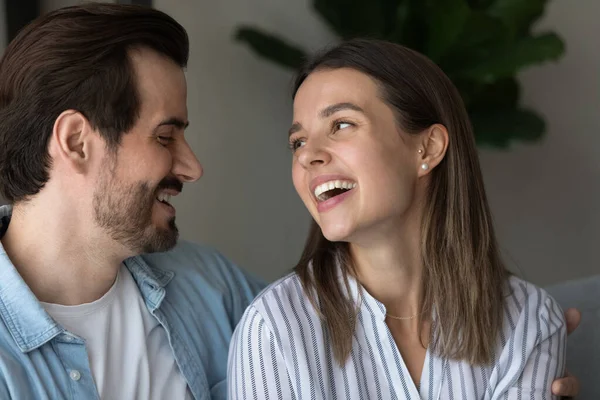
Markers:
{"x": 337, "y": 233}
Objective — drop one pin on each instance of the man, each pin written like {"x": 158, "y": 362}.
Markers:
{"x": 92, "y": 118}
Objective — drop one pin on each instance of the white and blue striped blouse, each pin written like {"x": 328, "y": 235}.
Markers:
{"x": 281, "y": 350}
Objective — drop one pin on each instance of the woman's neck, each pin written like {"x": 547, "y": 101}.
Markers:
{"x": 391, "y": 271}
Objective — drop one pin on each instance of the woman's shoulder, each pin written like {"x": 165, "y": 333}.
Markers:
{"x": 282, "y": 297}
{"x": 281, "y": 312}
{"x": 532, "y": 343}
{"x": 528, "y": 304}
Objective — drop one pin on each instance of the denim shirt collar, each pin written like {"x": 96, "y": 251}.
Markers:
{"x": 30, "y": 325}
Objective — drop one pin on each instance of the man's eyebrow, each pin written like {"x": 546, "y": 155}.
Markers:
{"x": 327, "y": 112}
{"x": 174, "y": 121}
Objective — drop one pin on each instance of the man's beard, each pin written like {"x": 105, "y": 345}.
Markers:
{"x": 124, "y": 211}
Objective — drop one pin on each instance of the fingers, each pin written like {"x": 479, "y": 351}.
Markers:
{"x": 567, "y": 386}
{"x": 573, "y": 318}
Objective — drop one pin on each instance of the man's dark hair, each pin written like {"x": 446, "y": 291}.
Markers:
{"x": 74, "y": 58}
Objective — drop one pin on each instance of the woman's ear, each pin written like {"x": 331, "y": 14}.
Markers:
{"x": 432, "y": 149}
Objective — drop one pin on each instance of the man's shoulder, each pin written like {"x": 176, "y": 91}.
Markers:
{"x": 189, "y": 258}
{"x": 187, "y": 253}
{"x": 203, "y": 266}
{"x": 205, "y": 295}
{"x": 17, "y": 371}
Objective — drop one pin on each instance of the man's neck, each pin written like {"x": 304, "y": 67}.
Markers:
{"x": 61, "y": 259}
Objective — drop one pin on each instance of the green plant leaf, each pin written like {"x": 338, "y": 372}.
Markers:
{"x": 401, "y": 19}
{"x": 476, "y": 95}
{"x": 480, "y": 44}
{"x": 501, "y": 94}
{"x": 446, "y": 21}
{"x": 481, "y": 30}
{"x": 353, "y": 18}
{"x": 479, "y": 4}
{"x": 517, "y": 14}
{"x": 525, "y": 52}
{"x": 391, "y": 11}
{"x": 271, "y": 47}
{"x": 482, "y": 36}
{"x": 411, "y": 29}
{"x": 499, "y": 128}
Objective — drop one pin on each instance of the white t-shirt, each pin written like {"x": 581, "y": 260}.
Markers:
{"x": 128, "y": 349}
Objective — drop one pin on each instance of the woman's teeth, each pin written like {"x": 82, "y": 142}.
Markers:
{"x": 342, "y": 186}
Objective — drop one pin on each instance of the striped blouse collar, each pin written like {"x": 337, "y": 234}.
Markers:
{"x": 361, "y": 297}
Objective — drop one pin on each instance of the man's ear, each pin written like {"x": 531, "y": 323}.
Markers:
{"x": 72, "y": 140}
{"x": 433, "y": 147}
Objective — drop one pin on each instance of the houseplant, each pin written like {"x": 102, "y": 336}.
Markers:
{"x": 480, "y": 44}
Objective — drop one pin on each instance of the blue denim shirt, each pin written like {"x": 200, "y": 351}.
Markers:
{"x": 195, "y": 293}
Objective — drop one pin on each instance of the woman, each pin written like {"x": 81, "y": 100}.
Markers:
{"x": 400, "y": 292}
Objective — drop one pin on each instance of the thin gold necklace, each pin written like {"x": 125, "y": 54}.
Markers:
{"x": 401, "y": 318}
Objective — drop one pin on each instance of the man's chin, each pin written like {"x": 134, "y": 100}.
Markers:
{"x": 162, "y": 239}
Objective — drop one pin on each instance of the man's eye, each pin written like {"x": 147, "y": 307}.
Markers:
{"x": 164, "y": 140}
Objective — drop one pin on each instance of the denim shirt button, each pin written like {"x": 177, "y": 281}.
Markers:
{"x": 75, "y": 375}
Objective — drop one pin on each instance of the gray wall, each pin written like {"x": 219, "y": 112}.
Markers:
{"x": 545, "y": 197}
{"x": 240, "y": 112}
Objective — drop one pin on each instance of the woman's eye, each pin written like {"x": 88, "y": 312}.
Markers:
{"x": 296, "y": 144}
{"x": 341, "y": 125}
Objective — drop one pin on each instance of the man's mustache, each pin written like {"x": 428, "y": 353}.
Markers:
{"x": 171, "y": 183}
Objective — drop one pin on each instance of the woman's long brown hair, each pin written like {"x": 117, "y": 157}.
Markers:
{"x": 463, "y": 277}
